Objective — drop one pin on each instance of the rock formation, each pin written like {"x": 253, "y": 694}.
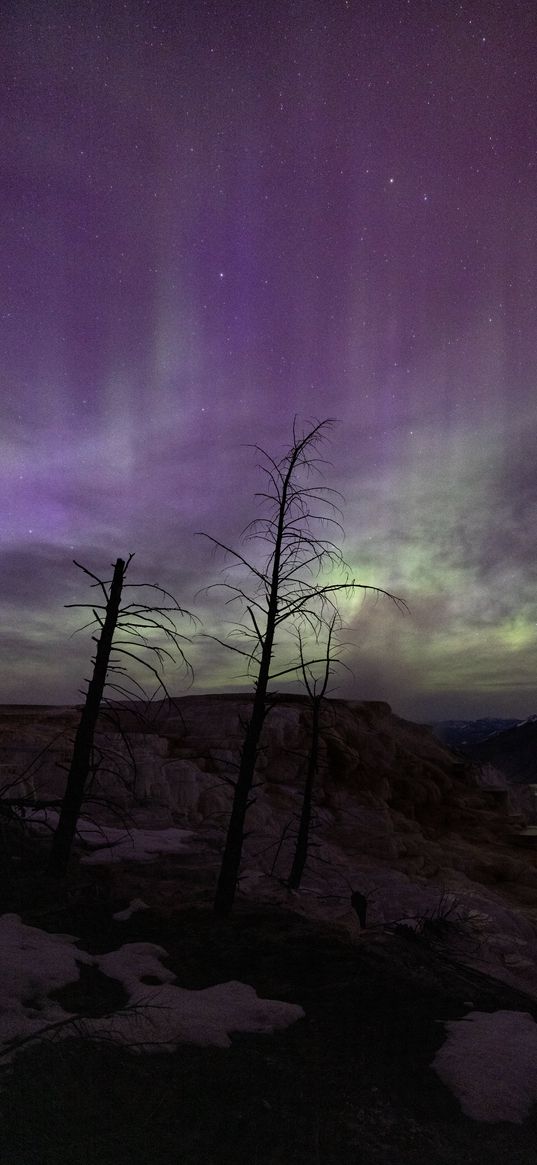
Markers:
{"x": 397, "y": 818}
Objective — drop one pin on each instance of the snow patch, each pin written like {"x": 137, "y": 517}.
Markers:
{"x": 158, "y": 1017}
{"x": 138, "y": 845}
{"x": 109, "y": 844}
{"x": 32, "y": 964}
{"x": 489, "y": 1061}
{"x": 165, "y": 1016}
{"x": 134, "y": 907}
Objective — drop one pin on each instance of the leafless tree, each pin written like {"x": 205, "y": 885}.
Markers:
{"x": 287, "y": 589}
{"x": 125, "y": 631}
{"x": 316, "y": 689}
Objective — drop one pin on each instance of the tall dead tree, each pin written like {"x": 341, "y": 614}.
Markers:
{"x": 316, "y": 690}
{"x": 286, "y": 589}
{"x": 135, "y": 621}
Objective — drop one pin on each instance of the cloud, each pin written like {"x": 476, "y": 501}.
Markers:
{"x": 37, "y": 575}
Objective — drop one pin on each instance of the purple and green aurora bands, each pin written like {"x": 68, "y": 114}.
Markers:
{"x": 217, "y": 215}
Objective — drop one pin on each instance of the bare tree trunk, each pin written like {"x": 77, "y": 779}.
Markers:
{"x": 284, "y": 591}
{"x": 80, "y": 763}
{"x": 231, "y": 860}
{"x": 301, "y": 851}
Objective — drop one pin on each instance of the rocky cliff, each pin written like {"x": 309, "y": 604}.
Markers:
{"x": 397, "y": 816}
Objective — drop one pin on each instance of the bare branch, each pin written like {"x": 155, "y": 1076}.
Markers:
{"x": 228, "y": 550}
{"x": 287, "y": 593}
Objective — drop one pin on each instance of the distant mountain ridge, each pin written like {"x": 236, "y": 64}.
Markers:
{"x": 512, "y": 752}
{"x": 456, "y": 733}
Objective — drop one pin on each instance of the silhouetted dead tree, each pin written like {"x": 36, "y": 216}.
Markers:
{"x": 316, "y": 689}
{"x": 286, "y": 589}
{"x": 136, "y": 622}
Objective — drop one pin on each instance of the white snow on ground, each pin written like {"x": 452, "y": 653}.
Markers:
{"x": 162, "y": 1016}
{"x": 138, "y": 845}
{"x": 489, "y": 1061}
{"x": 169, "y": 1015}
{"x": 32, "y": 963}
{"x": 109, "y": 844}
{"x": 134, "y": 907}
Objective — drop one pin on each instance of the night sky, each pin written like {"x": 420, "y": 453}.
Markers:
{"x": 218, "y": 215}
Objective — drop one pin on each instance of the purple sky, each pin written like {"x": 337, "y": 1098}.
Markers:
{"x": 217, "y": 215}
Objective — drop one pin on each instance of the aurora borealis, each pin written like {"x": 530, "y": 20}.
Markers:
{"x": 218, "y": 215}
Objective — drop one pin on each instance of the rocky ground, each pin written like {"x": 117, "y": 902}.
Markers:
{"x": 450, "y": 930}
{"x": 350, "y": 1083}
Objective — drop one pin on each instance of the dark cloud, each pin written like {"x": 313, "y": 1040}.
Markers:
{"x": 37, "y": 576}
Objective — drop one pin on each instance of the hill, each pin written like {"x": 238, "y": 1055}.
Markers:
{"x": 512, "y": 751}
{"x": 372, "y": 1072}
{"x": 462, "y": 733}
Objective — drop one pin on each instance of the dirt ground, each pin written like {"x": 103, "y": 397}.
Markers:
{"x": 348, "y": 1085}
